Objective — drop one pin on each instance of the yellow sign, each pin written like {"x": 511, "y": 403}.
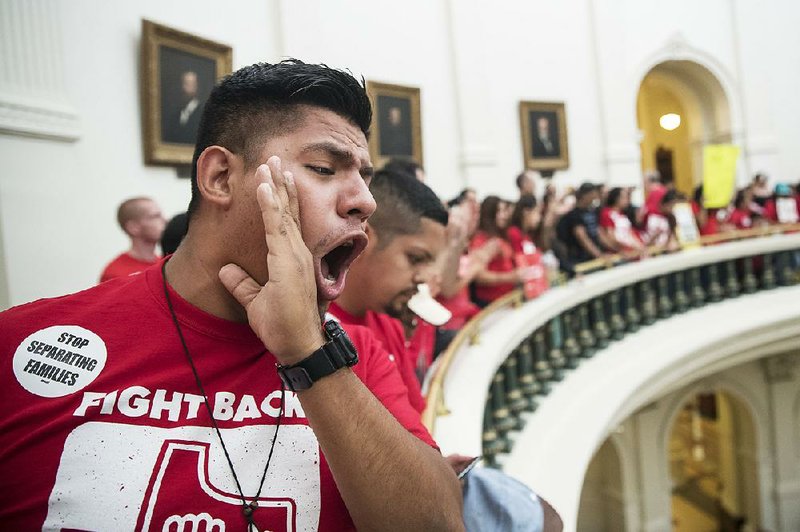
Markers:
{"x": 719, "y": 174}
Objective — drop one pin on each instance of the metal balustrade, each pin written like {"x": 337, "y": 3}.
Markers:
{"x": 559, "y": 343}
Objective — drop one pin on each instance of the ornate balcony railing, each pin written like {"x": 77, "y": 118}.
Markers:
{"x": 549, "y": 337}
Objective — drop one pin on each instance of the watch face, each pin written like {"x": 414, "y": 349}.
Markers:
{"x": 333, "y": 329}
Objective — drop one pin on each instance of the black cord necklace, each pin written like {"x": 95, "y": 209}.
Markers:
{"x": 247, "y": 508}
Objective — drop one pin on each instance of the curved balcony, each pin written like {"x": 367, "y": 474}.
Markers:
{"x": 536, "y": 387}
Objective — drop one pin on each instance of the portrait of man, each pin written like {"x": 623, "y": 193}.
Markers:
{"x": 396, "y": 130}
{"x": 544, "y": 135}
{"x": 179, "y": 71}
{"x": 395, "y": 126}
{"x": 186, "y": 82}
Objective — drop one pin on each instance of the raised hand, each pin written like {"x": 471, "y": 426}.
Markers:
{"x": 284, "y": 312}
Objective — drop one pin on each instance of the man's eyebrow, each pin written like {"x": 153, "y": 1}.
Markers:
{"x": 331, "y": 149}
{"x": 424, "y": 252}
{"x": 339, "y": 154}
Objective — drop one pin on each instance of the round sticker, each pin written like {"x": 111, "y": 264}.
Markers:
{"x": 59, "y": 360}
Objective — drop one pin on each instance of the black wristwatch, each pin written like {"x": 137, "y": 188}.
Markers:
{"x": 339, "y": 352}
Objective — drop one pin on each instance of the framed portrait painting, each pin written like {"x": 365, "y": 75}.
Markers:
{"x": 396, "y": 130}
{"x": 544, "y": 135}
{"x": 178, "y": 72}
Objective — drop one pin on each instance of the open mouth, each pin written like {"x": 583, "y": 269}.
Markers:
{"x": 333, "y": 266}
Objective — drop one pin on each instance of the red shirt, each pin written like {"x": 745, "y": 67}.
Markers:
{"x": 518, "y": 239}
{"x": 740, "y": 218}
{"x": 653, "y": 200}
{"x": 770, "y": 211}
{"x": 460, "y": 305}
{"x": 621, "y": 226}
{"x": 503, "y": 261}
{"x": 389, "y": 332}
{"x": 420, "y": 347}
{"x": 711, "y": 226}
{"x": 657, "y": 231}
{"x": 104, "y": 428}
{"x": 123, "y": 266}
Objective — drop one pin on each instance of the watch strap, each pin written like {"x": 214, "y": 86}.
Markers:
{"x": 334, "y": 355}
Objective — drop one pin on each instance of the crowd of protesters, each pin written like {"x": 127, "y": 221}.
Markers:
{"x": 596, "y": 222}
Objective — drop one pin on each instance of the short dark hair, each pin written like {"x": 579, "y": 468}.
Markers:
{"x": 258, "y": 101}
{"x": 584, "y": 189}
{"x": 613, "y": 196}
{"x": 670, "y": 196}
{"x": 403, "y": 165}
{"x": 402, "y": 201}
{"x": 173, "y": 233}
{"x": 458, "y": 200}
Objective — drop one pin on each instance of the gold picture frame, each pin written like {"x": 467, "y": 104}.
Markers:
{"x": 544, "y": 135}
{"x": 178, "y": 72}
{"x": 396, "y": 130}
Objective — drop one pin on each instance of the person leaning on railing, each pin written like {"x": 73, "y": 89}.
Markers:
{"x": 783, "y": 193}
{"x": 659, "y": 226}
{"x": 578, "y": 239}
{"x": 616, "y": 227}
{"x": 501, "y": 275}
{"x": 740, "y": 216}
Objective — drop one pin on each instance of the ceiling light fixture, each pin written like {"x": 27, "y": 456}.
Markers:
{"x": 670, "y": 121}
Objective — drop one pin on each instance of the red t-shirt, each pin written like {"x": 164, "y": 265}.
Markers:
{"x": 460, "y": 305}
{"x": 123, "y": 266}
{"x": 740, "y": 218}
{"x": 104, "y": 427}
{"x": 656, "y": 229}
{"x": 653, "y": 200}
{"x": 621, "y": 226}
{"x": 503, "y": 261}
{"x": 389, "y": 332}
{"x": 711, "y": 226}
{"x": 420, "y": 347}
{"x": 770, "y": 211}
{"x": 518, "y": 239}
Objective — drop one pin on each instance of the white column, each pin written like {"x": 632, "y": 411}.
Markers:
{"x": 33, "y": 100}
{"x": 655, "y": 483}
{"x": 616, "y": 99}
{"x": 626, "y": 442}
{"x": 478, "y": 153}
{"x": 783, "y": 377}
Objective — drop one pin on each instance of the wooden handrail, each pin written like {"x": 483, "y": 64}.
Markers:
{"x": 470, "y": 332}
{"x": 728, "y": 236}
{"x": 741, "y": 234}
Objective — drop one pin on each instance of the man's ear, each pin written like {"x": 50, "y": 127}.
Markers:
{"x": 214, "y": 169}
{"x": 132, "y": 228}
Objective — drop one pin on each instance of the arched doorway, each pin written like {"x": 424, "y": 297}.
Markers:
{"x": 602, "y": 506}
{"x": 713, "y": 465}
{"x": 674, "y": 146}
